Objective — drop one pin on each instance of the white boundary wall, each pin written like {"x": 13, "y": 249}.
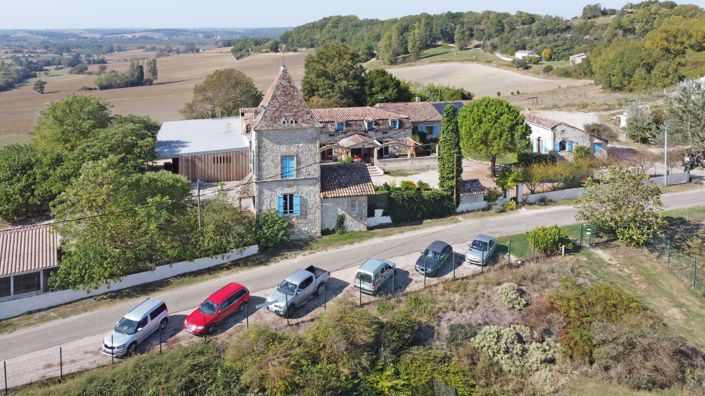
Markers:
{"x": 408, "y": 164}
{"x": 20, "y": 306}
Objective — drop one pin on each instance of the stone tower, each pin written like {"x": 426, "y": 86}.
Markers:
{"x": 286, "y": 159}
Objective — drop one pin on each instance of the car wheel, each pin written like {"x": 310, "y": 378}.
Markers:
{"x": 163, "y": 323}
{"x": 319, "y": 290}
{"x": 211, "y": 330}
{"x": 131, "y": 349}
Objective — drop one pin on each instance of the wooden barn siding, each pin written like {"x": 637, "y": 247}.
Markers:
{"x": 207, "y": 168}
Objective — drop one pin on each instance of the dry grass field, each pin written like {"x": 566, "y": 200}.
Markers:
{"x": 162, "y": 101}
{"x": 480, "y": 79}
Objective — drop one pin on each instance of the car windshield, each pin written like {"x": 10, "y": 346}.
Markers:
{"x": 208, "y": 307}
{"x": 479, "y": 245}
{"x": 287, "y": 287}
{"x": 364, "y": 278}
{"x": 126, "y": 326}
{"x": 431, "y": 254}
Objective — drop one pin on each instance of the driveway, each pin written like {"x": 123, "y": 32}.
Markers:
{"x": 32, "y": 353}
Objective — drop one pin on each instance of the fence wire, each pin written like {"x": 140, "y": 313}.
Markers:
{"x": 686, "y": 265}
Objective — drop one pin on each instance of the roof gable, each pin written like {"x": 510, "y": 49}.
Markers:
{"x": 283, "y": 107}
{"x": 28, "y": 249}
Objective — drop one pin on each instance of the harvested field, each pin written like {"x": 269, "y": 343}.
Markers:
{"x": 161, "y": 101}
{"x": 481, "y": 80}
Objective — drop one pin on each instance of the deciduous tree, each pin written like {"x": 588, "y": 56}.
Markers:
{"x": 39, "y": 86}
{"x": 686, "y": 115}
{"x": 18, "y": 182}
{"x": 222, "y": 94}
{"x": 334, "y": 72}
{"x": 491, "y": 127}
{"x": 383, "y": 87}
{"x": 623, "y": 203}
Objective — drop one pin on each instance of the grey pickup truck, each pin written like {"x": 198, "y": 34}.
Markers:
{"x": 294, "y": 291}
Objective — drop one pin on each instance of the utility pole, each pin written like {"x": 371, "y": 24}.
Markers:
{"x": 665, "y": 155}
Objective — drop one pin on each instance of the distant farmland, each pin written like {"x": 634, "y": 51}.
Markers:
{"x": 162, "y": 101}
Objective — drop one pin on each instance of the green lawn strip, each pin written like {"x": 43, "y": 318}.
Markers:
{"x": 521, "y": 247}
{"x": 640, "y": 274}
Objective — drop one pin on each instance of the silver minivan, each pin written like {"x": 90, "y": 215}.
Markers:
{"x": 144, "y": 319}
{"x": 373, "y": 274}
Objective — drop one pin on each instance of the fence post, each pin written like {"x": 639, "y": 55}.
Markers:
{"x": 4, "y": 369}
{"x": 61, "y": 365}
{"x": 668, "y": 249}
{"x": 453, "y": 264}
{"x": 160, "y": 339}
{"x": 533, "y": 243}
{"x": 325, "y": 296}
{"x": 581, "y": 236}
{"x": 394, "y": 280}
{"x": 247, "y": 314}
{"x": 694, "y": 270}
{"x": 482, "y": 261}
{"x": 360, "y": 303}
{"x": 424, "y": 274}
{"x": 286, "y": 296}
{"x": 509, "y": 253}
{"x": 112, "y": 351}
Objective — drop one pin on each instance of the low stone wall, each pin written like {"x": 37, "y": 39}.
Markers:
{"x": 37, "y": 302}
{"x": 471, "y": 206}
{"x": 673, "y": 179}
{"x": 408, "y": 164}
{"x": 570, "y": 193}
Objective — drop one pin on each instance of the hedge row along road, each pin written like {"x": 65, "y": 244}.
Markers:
{"x": 32, "y": 353}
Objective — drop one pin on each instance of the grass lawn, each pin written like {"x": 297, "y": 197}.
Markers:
{"x": 504, "y": 159}
{"x": 446, "y": 53}
{"x": 521, "y": 247}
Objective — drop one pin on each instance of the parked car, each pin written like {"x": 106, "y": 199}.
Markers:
{"x": 373, "y": 274}
{"x": 481, "y": 249}
{"x": 216, "y": 308}
{"x": 294, "y": 291}
{"x": 142, "y": 320}
{"x": 433, "y": 257}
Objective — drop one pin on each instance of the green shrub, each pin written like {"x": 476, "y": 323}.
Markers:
{"x": 345, "y": 159}
{"x": 458, "y": 333}
{"x": 421, "y": 365}
{"x": 515, "y": 348}
{"x": 582, "y": 307}
{"x": 493, "y": 194}
{"x": 225, "y": 227}
{"x": 340, "y": 224}
{"x": 423, "y": 186}
{"x": 511, "y": 296}
{"x": 407, "y": 185}
{"x": 272, "y": 231}
{"x": 510, "y": 205}
{"x": 547, "y": 69}
{"x": 582, "y": 152}
{"x": 529, "y": 158}
{"x": 548, "y": 240}
{"x": 18, "y": 181}
{"x": 601, "y": 130}
{"x": 413, "y": 205}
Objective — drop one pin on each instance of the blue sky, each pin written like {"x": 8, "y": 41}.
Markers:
{"x": 60, "y": 14}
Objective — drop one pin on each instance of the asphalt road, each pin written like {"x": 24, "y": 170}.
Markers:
{"x": 93, "y": 323}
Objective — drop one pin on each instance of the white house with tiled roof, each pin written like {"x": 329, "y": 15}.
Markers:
{"x": 559, "y": 138}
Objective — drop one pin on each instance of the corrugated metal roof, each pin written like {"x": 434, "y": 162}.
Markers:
{"x": 28, "y": 249}
{"x": 191, "y": 137}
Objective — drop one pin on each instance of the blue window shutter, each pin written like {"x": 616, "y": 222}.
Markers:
{"x": 287, "y": 165}
{"x": 280, "y": 205}
{"x": 297, "y": 204}
{"x": 570, "y": 146}
{"x": 557, "y": 145}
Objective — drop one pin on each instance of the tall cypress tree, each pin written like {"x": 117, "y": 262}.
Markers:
{"x": 450, "y": 161}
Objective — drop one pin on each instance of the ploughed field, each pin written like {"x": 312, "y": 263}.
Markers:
{"x": 161, "y": 101}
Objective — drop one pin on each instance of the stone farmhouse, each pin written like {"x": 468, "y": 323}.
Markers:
{"x": 277, "y": 152}
{"x": 424, "y": 116}
{"x": 561, "y": 139}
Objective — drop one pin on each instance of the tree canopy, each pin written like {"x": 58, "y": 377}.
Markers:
{"x": 685, "y": 114}
{"x": 222, "y": 94}
{"x": 450, "y": 160}
{"x": 334, "y": 73}
{"x": 490, "y": 127}
{"x": 623, "y": 203}
{"x": 383, "y": 87}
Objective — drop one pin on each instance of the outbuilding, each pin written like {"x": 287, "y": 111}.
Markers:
{"x": 28, "y": 255}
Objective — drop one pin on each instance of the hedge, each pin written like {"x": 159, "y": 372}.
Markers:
{"x": 413, "y": 205}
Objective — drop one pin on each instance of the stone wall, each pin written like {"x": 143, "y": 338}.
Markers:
{"x": 269, "y": 146}
{"x": 332, "y": 207}
{"x": 37, "y": 302}
{"x": 408, "y": 164}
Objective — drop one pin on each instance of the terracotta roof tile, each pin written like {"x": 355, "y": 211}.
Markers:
{"x": 340, "y": 114}
{"x": 28, "y": 249}
{"x": 345, "y": 180}
{"x": 540, "y": 121}
{"x": 283, "y": 107}
{"x": 421, "y": 111}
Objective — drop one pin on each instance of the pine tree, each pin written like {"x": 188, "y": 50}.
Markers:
{"x": 450, "y": 160}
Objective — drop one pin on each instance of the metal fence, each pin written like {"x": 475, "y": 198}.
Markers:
{"x": 684, "y": 263}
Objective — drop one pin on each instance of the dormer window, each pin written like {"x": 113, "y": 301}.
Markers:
{"x": 394, "y": 123}
{"x": 288, "y": 121}
{"x": 340, "y": 126}
{"x": 369, "y": 125}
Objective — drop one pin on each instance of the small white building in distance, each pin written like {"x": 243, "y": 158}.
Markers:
{"x": 578, "y": 58}
{"x": 525, "y": 54}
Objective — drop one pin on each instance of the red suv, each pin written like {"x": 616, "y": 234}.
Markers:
{"x": 216, "y": 308}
